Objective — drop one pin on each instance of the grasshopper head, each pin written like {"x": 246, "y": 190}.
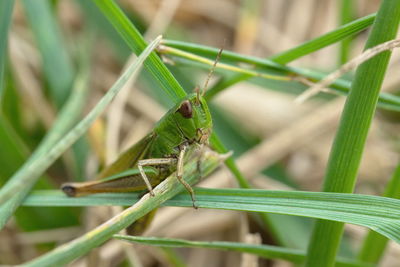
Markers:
{"x": 192, "y": 115}
{"x": 193, "y": 118}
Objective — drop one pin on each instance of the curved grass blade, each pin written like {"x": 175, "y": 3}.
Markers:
{"x": 263, "y": 251}
{"x": 229, "y": 67}
{"x": 340, "y": 86}
{"x": 324, "y": 40}
{"x": 313, "y": 45}
{"x": 136, "y": 42}
{"x": 29, "y": 173}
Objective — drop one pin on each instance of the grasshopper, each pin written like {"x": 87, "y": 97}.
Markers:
{"x": 159, "y": 153}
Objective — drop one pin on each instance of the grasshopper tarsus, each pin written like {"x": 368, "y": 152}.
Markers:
{"x": 194, "y": 204}
{"x": 152, "y": 193}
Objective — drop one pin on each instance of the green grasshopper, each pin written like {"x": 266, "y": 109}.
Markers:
{"x": 159, "y": 153}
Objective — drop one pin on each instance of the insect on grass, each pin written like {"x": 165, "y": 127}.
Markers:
{"x": 161, "y": 152}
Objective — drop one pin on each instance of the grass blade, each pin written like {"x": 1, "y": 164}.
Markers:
{"x": 136, "y": 42}
{"x": 346, "y": 11}
{"x": 347, "y": 149}
{"x": 28, "y": 174}
{"x": 374, "y": 244}
{"x": 340, "y": 86}
{"x": 324, "y": 40}
{"x": 378, "y": 213}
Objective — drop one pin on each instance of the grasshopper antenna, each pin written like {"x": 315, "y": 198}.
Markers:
{"x": 197, "y": 90}
{"x": 212, "y": 69}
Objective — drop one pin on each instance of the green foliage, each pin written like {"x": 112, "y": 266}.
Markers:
{"x": 349, "y": 143}
{"x": 65, "y": 86}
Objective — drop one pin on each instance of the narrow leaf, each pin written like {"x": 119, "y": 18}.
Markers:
{"x": 324, "y": 40}
{"x": 28, "y": 174}
{"x": 380, "y": 214}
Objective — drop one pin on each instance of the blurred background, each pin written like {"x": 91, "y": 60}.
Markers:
{"x": 278, "y": 145}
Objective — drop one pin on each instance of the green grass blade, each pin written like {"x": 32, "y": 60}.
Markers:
{"x": 340, "y": 86}
{"x": 167, "y": 189}
{"x": 136, "y": 42}
{"x": 68, "y": 116}
{"x": 227, "y": 56}
{"x": 347, "y": 149}
{"x": 324, "y": 40}
{"x": 378, "y": 213}
{"x": 28, "y": 174}
{"x": 57, "y": 65}
{"x": 263, "y": 251}
{"x": 292, "y": 54}
{"x": 6, "y": 8}
{"x": 346, "y": 11}
{"x": 230, "y": 67}
{"x": 374, "y": 244}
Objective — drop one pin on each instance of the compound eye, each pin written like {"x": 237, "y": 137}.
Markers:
{"x": 186, "y": 109}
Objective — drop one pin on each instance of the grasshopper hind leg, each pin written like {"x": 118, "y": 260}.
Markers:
{"x": 179, "y": 175}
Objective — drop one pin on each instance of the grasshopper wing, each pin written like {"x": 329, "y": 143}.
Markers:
{"x": 120, "y": 176}
{"x": 127, "y": 181}
{"x": 130, "y": 157}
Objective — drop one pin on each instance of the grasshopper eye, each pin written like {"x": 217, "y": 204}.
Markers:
{"x": 186, "y": 109}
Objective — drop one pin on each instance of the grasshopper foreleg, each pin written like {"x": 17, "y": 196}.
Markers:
{"x": 152, "y": 162}
{"x": 179, "y": 175}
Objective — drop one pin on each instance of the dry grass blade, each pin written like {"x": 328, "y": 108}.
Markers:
{"x": 352, "y": 64}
